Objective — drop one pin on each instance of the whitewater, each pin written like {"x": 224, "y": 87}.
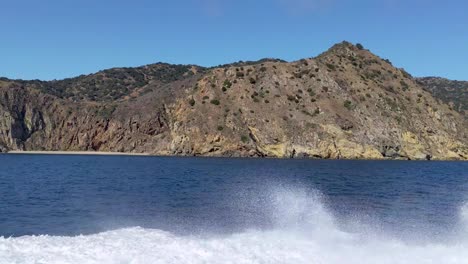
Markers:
{"x": 305, "y": 231}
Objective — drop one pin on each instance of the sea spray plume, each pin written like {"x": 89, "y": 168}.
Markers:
{"x": 282, "y": 206}
{"x": 463, "y": 219}
{"x": 295, "y": 207}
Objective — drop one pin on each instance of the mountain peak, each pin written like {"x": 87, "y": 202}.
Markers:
{"x": 345, "y": 46}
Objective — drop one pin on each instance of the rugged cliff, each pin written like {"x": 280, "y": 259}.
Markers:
{"x": 346, "y": 103}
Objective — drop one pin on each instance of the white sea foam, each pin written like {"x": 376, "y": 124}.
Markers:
{"x": 306, "y": 232}
{"x": 464, "y": 219}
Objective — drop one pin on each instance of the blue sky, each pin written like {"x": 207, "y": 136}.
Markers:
{"x": 54, "y": 39}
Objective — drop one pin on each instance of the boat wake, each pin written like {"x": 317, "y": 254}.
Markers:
{"x": 304, "y": 232}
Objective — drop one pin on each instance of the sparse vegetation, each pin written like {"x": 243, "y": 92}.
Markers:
{"x": 451, "y": 92}
{"x": 406, "y": 74}
{"x": 348, "y": 104}
{"x": 245, "y": 139}
{"x": 107, "y": 111}
{"x": 227, "y": 84}
{"x": 331, "y": 67}
{"x": 393, "y": 105}
{"x": 404, "y": 85}
{"x": 192, "y": 102}
{"x": 112, "y": 84}
{"x": 311, "y": 92}
{"x": 240, "y": 74}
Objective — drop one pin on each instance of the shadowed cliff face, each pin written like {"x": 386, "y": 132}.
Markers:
{"x": 35, "y": 121}
{"x": 346, "y": 103}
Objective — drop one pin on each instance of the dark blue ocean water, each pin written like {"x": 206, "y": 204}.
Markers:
{"x": 70, "y": 195}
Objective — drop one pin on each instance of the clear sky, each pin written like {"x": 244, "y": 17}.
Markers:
{"x": 54, "y": 39}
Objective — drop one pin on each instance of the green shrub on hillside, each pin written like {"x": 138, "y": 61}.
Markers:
{"x": 245, "y": 139}
{"x": 192, "y": 102}
{"x": 215, "y": 102}
{"x": 227, "y": 84}
{"x": 331, "y": 67}
{"x": 348, "y": 104}
{"x": 240, "y": 74}
{"x": 404, "y": 85}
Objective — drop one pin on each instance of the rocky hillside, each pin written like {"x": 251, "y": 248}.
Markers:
{"x": 346, "y": 103}
{"x": 113, "y": 84}
{"x": 454, "y": 93}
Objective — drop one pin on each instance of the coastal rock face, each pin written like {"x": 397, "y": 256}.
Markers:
{"x": 344, "y": 104}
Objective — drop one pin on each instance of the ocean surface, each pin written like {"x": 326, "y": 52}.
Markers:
{"x": 119, "y": 209}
